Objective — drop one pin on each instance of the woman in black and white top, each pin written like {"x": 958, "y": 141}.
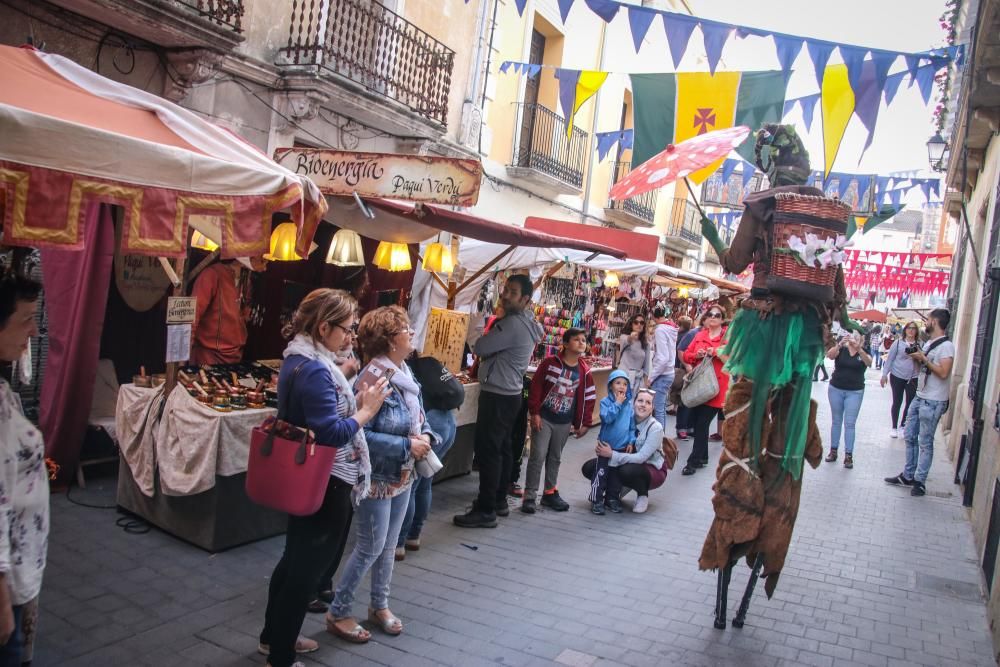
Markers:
{"x": 900, "y": 371}
{"x": 634, "y": 354}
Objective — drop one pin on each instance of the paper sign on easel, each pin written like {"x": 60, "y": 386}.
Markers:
{"x": 178, "y": 342}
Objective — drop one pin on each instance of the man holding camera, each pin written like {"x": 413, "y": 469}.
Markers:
{"x": 934, "y": 361}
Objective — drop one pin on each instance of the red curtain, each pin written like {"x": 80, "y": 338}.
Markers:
{"x": 76, "y": 293}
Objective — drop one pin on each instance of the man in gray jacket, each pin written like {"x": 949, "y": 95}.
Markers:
{"x": 504, "y": 353}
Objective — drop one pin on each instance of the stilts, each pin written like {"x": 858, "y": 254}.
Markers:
{"x": 741, "y": 613}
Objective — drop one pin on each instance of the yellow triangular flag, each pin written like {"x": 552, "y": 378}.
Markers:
{"x": 838, "y": 105}
{"x": 586, "y": 86}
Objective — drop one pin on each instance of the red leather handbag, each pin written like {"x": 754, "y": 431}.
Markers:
{"x": 287, "y": 470}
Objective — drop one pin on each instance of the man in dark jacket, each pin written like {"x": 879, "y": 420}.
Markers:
{"x": 504, "y": 354}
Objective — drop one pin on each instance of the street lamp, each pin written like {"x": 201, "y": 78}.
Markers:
{"x": 936, "y": 146}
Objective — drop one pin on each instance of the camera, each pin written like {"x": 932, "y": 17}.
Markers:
{"x": 910, "y": 349}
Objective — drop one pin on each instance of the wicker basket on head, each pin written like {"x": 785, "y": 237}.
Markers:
{"x": 798, "y": 215}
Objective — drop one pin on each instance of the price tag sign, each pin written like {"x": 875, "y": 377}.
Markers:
{"x": 181, "y": 309}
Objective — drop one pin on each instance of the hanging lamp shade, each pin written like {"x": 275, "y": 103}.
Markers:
{"x": 611, "y": 280}
{"x": 345, "y": 249}
{"x": 392, "y": 256}
{"x": 437, "y": 257}
{"x": 202, "y": 242}
{"x": 283, "y": 244}
{"x": 683, "y": 292}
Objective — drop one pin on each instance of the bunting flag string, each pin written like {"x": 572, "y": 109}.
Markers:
{"x": 606, "y": 140}
{"x": 575, "y": 88}
{"x": 678, "y": 29}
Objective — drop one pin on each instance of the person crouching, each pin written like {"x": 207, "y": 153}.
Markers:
{"x": 618, "y": 433}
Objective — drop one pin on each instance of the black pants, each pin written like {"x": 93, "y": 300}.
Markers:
{"x": 494, "y": 427}
{"x": 518, "y": 435}
{"x": 326, "y": 579}
{"x": 820, "y": 367}
{"x": 702, "y": 416}
{"x": 901, "y": 387}
{"x": 683, "y": 417}
{"x": 633, "y": 475}
{"x": 311, "y": 543}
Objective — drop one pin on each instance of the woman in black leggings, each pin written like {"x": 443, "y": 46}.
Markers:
{"x": 900, "y": 371}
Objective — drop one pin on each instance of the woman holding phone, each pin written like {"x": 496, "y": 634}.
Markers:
{"x": 397, "y": 436}
{"x": 847, "y": 390}
{"x": 900, "y": 371}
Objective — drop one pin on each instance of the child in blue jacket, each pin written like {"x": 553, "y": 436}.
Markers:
{"x": 618, "y": 432}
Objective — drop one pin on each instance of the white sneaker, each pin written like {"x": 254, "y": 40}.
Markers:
{"x": 894, "y": 433}
{"x": 641, "y": 504}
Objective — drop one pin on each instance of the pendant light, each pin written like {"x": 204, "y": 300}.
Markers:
{"x": 437, "y": 257}
{"x": 202, "y": 242}
{"x": 283, "y": 244}
{"x": 611, "y": 280}
{"x": 683, "y": 293}
{"x": 345, "y": 249}
{"x": 392, "y": 256}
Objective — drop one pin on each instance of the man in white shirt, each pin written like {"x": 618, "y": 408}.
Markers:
{"x": 933, "y": 379}
{"x": 664, "y": 356}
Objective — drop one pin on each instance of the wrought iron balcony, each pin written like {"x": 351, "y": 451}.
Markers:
{"x": 643, "y": 207}
{"x": 684, "y": 223}
{"x": 542, "y": 146}
{"x": 221, "y": 12}
{"x": 371, "y": 45}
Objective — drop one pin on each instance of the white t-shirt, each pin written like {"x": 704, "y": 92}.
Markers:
{"x": 929, "y": 386}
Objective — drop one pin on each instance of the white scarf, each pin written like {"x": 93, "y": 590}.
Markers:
{"x": 403, "y": 381}
{"x": 303, "y": 345}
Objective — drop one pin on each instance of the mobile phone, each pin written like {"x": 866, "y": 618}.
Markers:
{"x": 389, "y": 372}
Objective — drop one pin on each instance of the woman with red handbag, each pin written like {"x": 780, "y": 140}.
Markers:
{"x": 318, "y": 398}
{"x": 398, "y": 437}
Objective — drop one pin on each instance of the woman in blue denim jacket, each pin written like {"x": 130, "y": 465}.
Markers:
{"x": 397, "y": 437}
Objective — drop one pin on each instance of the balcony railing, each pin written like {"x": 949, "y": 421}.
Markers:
{"x": 367, "y": 43}
{"x": 223, "y": 12}
{"x": 543, "y": 145}
{"x": 643, "y": 206}
{"x": 684, "y": 222}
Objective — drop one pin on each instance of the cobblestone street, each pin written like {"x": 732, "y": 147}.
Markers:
{"x": 873, "y": 577}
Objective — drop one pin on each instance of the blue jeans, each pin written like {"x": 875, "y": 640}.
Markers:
{"x": 10, "y": 653}
{"x": 378, "y": 522}
{"x": 845, "y": 406}
{"x": 661, "y": 385}
{"x": 442, "y": 422}
{"x": 921, "y": 424}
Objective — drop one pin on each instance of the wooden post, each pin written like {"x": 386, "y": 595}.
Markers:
{"x": 454, "y": 289}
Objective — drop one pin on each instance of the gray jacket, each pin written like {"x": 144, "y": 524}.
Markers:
{"x": 505, "y": 351}
{"x": 648, "y": 443}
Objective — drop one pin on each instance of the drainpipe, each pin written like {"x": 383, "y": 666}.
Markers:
{"x": 585, "y": 209}
{"x": 978, "y": 401}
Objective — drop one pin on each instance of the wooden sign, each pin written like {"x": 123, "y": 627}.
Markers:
{"x": 439, "y": 180}
{"x": 181, "y": 309}
{"x": 446, "y": 334}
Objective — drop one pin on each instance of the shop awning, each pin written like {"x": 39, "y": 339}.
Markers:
{"x": 642, "y": 247}
{"x": 402, "y": 222}
{"x": 70, "y": 138}
{"x": 678, "y": 277}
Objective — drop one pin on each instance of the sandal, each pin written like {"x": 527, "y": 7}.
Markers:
{"x": 831, "y": 457}
{"x": 356, "y": 635}
{"x": 849, "y": 461}
{"x": 389, "y": 625}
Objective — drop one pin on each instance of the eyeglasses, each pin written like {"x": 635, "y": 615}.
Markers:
{"x": 408, "y": 330}
{"x": 350, "y": 331}
{"x": 639, "y": 322}
{"x": 714, "y": 314}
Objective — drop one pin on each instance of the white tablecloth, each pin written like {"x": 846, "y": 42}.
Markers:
{"x": 470, "y": 408}
{"x": 190, "y": 444}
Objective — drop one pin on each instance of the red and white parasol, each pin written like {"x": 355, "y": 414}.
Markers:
{"x": 679, "y": 160}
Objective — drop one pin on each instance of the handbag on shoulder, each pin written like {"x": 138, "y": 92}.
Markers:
{"x": 700, "y": 385}
{"x": 287, "y": 470}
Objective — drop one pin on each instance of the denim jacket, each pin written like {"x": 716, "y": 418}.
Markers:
{"x": 388, "y": 435}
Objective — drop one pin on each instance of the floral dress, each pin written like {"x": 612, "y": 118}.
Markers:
{"x": 24, "y": 500}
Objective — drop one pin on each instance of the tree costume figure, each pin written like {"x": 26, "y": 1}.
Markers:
{"x": 793, "y": 236}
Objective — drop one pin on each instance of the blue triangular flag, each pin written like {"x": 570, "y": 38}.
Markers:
{"x": 564, "y": 7}
{"x": 925, "y": 82}
{"x": 912, "y": 63}
{"x": 533, "y": 69}
{"x": 748, "y": 171}
{"x": 854, "y": 58}
{"x": 820, "y": 54}
{"x": 639, "y": 20}
{"x": 787, "y": 49}
{"x": 716, "y": 35}
{"x": 605, "y": 140}
{"x": 568, "y": 78}
{"x": 925, "y": 186}
{"x": 882, "y": 61}
{"x": 678, "y": 29}
{"x": 787, "y": 107}
{"x": 808, "y": 104}
{"x": 895, "y": 196}
{"x": 727, "y": 169}
{"x": 627, "y": 139}
{"x": 505, "y": 66}
{"x": 867, "y": 98}
{"x": 520, "y": 6}
{"x": 606, "y": 9}
{"x": 881, "y": 182}
{"x": 936, "y": 186}
{"x": 892, "y": 86}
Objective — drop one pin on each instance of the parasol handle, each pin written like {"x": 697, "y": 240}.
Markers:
{"x": 693, "y": 198}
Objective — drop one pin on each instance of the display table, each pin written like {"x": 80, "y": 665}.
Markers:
{"x": 184, "y": 465}
{"x": 458, "y": 460}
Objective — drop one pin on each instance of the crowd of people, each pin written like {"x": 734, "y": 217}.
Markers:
{"x": 393, "y": 410}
